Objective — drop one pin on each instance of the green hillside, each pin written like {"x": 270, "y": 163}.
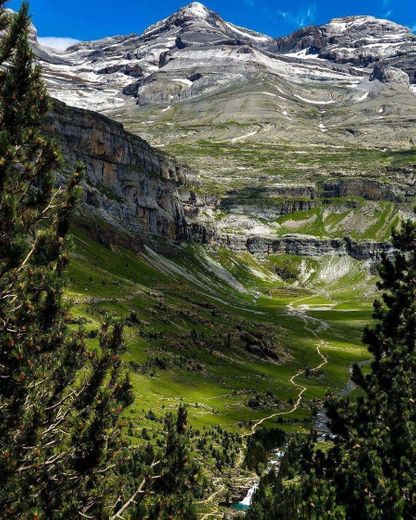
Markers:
{"x": 215, "y": 329}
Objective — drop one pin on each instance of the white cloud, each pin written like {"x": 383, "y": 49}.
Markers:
{"x": 56, "y": 42}
{"x": 387, "y": 8}
{"x": 302, "y": 17}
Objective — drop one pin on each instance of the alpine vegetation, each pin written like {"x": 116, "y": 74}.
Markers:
{"x": 60, "y": 403}
{"x": 367, "y": 471}
{"x": 62, "y": 449}
{"x": 207, "y": 269}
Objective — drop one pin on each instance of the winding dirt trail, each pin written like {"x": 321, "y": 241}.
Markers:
{"x": 321, "y": 326}
{"x": 214, "y": 494}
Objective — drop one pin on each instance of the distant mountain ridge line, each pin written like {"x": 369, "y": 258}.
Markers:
{"x": 155, "y": 25}
{"x": 100, "y": 73}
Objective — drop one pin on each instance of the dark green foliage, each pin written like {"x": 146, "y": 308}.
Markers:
{"x": 370, "y": 471}
{"x": 278, "y": 495}
{"x": 256, "y": 456}
{"x": 177, "y": 480}
{"x": 59, "y": 403}
{"x": 260, "y": 444}
{"x": 270, "y": 438}
{"x": 376, "y": 435}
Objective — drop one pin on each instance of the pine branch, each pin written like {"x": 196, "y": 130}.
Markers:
{"x": 139, "y": 490}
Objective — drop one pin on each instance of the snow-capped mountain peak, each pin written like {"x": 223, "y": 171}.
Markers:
{"x": 194, "y": 52}
{"x": 197, "y": 18}
{"x": 196, "y": 9}
{"x": 194, "y": 12}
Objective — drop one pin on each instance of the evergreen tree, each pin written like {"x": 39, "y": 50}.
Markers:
{"x": 59, "y": 403}
{"x": 177, "y": 482}
{"x": 370, "y": 472}
{"x": 376, "y": 435}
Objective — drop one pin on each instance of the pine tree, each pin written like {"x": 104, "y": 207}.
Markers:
{"x": 370, "y": 472}
{"x": 59, "y": 403}
{"x": 178, "y": 477}
{"x": 376, "y": 435}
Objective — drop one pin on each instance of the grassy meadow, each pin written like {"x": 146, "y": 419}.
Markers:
{"x": 223, "y": 332}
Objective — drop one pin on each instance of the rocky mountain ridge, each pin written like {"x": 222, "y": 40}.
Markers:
{"x": 137, "y": 194}
{"x": 357, "y": 40}
{"x": 194, "y": 52}
{"x": 194, "y": 78}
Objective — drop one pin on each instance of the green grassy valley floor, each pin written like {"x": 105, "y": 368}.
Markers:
{"x": 225, "y": 334}
{"x": 250, "y": 343}
{"x": 222, "y": 332}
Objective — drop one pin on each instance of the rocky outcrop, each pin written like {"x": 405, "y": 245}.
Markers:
{"x": 303, "y": 245}
{"x": 316, "y": 247}
{"x": 267, "y": 209}
{"x": 270, "y": 202}
{"x": 307, "y": 191}
{"x": 371, "y": 189}
{"x": 289, "y": 198}
{"x": 194, "y": 203}
{"x": 128, "y": 184}
{"x": 310, "y": 38}
{"x": 406, "y": 62}
{"x": 387, "y": 74}
{"x": 273, "y": 201}
{"x": 356, "y": 40}
{"x": 129, "y": 70}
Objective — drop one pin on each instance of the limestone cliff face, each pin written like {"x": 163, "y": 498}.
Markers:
{"x": 141, "y": 193}
{"x": 400, "y": 189}
{"x": 316, "y": 247}
{"x": 129, "y": 184}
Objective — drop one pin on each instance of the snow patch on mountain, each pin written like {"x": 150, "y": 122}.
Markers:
{"x": 57, "y": 43}
{"x": 304, "y": 54}
{"x": 247, "y": 34}
{"x": 314, "y": 101}
{"x": 194, "y": 52}
{"x": 362, "y": 97}
{"x": 197, "y": 9}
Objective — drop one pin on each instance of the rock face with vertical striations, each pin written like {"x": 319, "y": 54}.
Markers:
{"x": 129, "y": 184}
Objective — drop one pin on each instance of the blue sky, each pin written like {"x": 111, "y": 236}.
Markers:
{"x": 91, "y": 19}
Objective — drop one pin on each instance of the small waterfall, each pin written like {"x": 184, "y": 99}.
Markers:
{"x": 274, "y": 463}
{"x": 246, "y": 502}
